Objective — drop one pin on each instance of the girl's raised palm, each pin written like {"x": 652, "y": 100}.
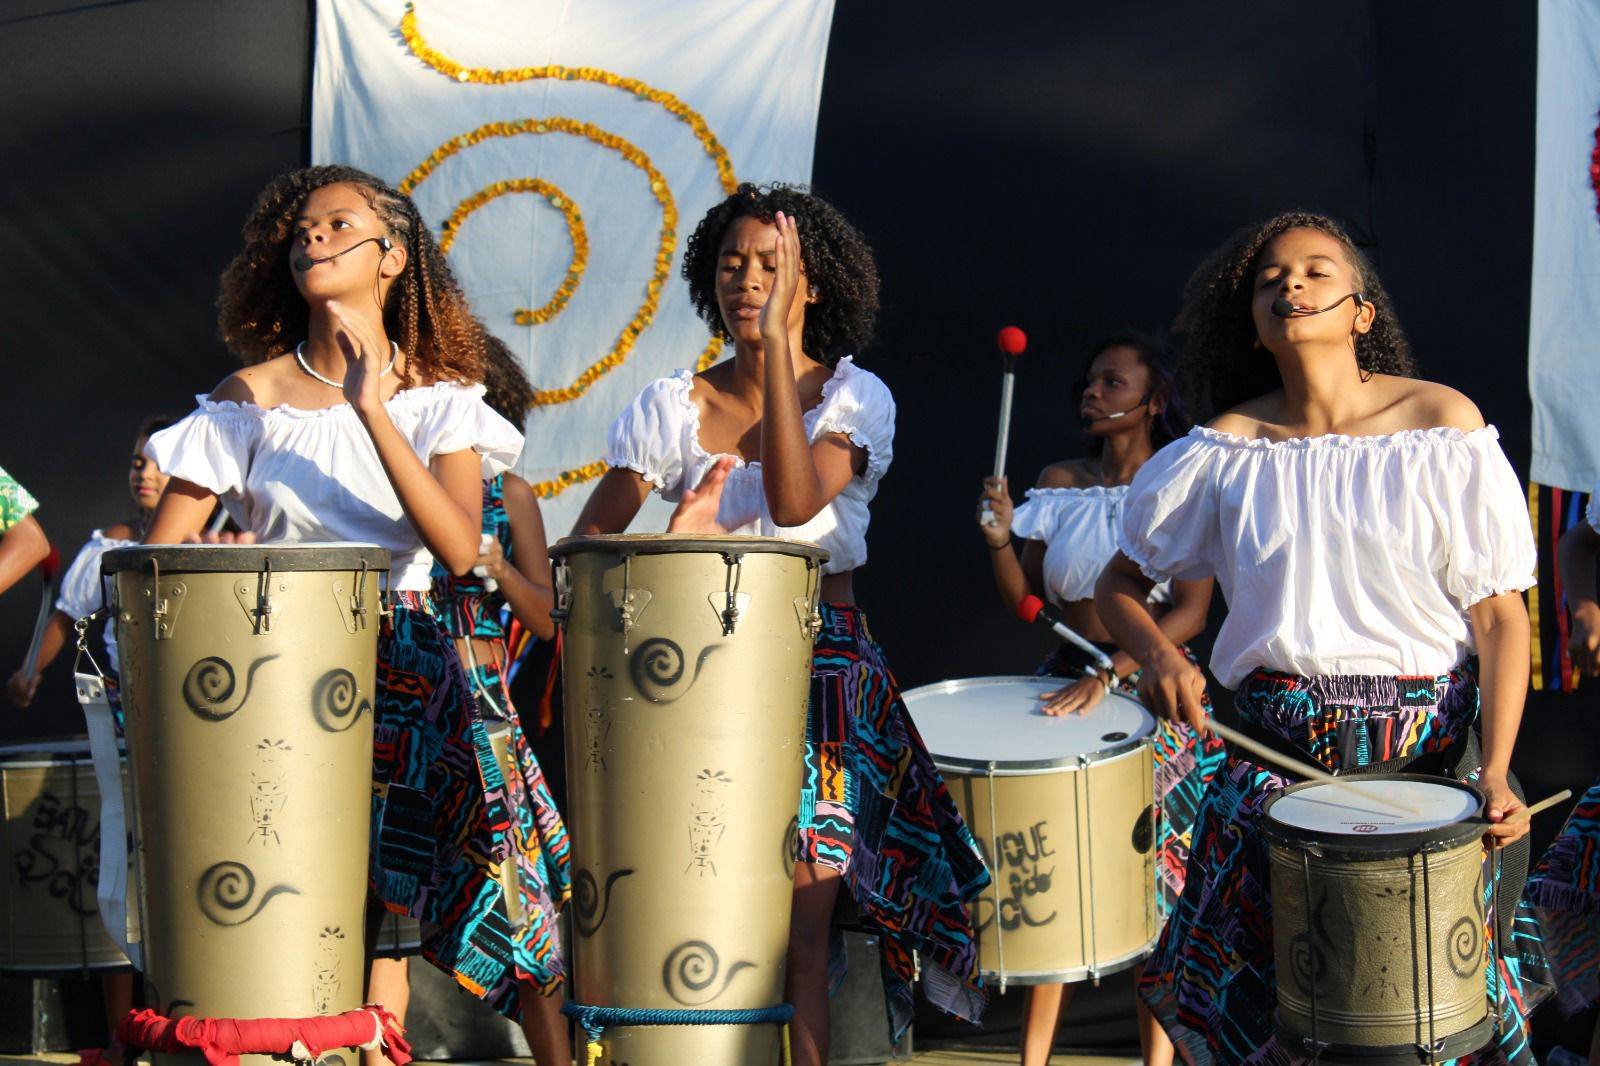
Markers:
{"x": 785, "y": 278}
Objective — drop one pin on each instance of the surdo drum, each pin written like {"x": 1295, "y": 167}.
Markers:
{"x": 50, "y": 848}
{"x": 1063, "y": 809}
{"x": 248, "y": 683}
{"x": 1378, "y": 924}
{"x": 687, "y": 662}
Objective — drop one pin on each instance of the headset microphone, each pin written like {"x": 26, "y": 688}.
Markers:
{"x": 303, "y": 263}
{"x": 1085, "y": 421}
{"x": 1283, "y": 308}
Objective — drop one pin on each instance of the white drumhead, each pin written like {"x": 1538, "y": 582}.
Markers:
{"x": 1374, "y": 807}
{"x": 998, "y": 719}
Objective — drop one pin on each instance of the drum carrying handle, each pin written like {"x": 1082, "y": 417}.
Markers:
{"x": 81, "y": 627}
{"x": 994, "y": 883}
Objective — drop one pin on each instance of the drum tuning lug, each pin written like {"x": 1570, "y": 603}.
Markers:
{"x": 727, "y": 607}
{"x": 257, "y": 602}
{"x": 630, "y": 604}
{"x": 164, "y": 609}
{"x": 810, "y": 618}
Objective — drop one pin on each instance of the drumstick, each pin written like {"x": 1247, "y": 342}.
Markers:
{"x": 1304, "y": 771}
{"x": 1542, "y": 805}
{"x": 1013, "y": 342}
{"x": 47, "y": 569}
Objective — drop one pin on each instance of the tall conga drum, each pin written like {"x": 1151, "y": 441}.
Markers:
{"x": 248, "y": 680}
{"x": 687, "y": 664}
{"x": 1378, "y": 923}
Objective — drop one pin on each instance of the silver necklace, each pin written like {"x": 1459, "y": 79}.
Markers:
{"x": 299, "y": 357}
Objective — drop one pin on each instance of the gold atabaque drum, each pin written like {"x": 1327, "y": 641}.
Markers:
{"x": 1063, "y": 810}
{"x": 687, "y": 664}
{"x": 50, "y": 848}
{"x": 248, "y": 681}
{"x": 1378, "y": 923}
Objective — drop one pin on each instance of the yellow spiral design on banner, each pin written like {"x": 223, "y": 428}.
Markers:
{"x": 659, "y": 188}
{"x": 576, "y": 233}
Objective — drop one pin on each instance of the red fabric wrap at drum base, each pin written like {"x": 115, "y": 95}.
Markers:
{"x": 223, "y": 1040}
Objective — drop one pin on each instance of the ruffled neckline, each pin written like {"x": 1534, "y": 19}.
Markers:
{"x": 1339, "y": 441}
{"x": 683, "y": 380}
{"x": 1074, "y": 492}
{"x": 403, "y": 398}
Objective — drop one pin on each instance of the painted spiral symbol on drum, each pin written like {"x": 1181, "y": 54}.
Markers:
{"x": 591, "y": 902}
{"x": 227, "y": 890}
{"x": 1310, "y": 965}
{"x": 791, "y": 846}
{"x": 690, "y": 973}
{"x": 658, "y": 667}
{"x": 335, "y": 701}
{"x": 1466, "y": 946}
{"x": 209, "y": 685}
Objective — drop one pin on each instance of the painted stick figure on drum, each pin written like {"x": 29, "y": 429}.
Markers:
{"x": 708, "y": 820}
{"x": 269, "y": 790}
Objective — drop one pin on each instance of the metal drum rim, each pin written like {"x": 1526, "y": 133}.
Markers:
{"x": 684, "y": 544}
{"x": 1464, "y": 1042}
{"x": 1347, "y": 847}
{"x": 1024, "y": 767}
{"x": 246, "y": 558}
{"x": 1076, "y": 973}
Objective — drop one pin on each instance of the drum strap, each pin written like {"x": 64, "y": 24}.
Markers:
{"x": 112, "y": 893}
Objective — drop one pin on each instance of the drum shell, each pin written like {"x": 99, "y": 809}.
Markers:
{"x": 1366, "y": 927}
{"x": 683, "y": 793}
{"x": 251, "y": 751}
{"x": 50, "y": 852}
{"x": 1074, "y": 876}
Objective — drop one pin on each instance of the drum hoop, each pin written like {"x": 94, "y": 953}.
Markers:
{"x": 1076, "y": 973}
{"x": 1023, "y": 767}
{"x": 1347, "y": 847}
{"x": 685, "y": 544}
{"x": 1473, "y": 1038}
{"x": 1039, "y": 767}
{"x": 245, "y": 558}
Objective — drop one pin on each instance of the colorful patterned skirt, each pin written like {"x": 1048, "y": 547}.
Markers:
{"x": 1185, "y": 765}
{"x": 540, "y": 846}
{"x": 441, "y": 816}
{"x": 874, "y": 808}
{"x": 1564, "y": 893}
{"x": 1212, "y": 980}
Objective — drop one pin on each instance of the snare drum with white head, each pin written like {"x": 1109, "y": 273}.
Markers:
{"x": 1063, "y": 809}
{"x": 1379, "y": 932}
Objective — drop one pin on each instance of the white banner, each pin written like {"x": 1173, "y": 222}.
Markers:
{"x": 1564, "y": 319}
{"x": 566, "y": 152}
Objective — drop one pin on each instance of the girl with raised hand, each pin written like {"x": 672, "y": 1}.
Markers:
{"x": 1127, "y": 401}
{"x": 790, "y": 438}
{"x": 1369, "y": 536}
{"x": 358, "y": 416}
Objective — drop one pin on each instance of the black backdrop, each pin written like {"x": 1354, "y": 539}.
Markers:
{"x": 1057, "y": 166}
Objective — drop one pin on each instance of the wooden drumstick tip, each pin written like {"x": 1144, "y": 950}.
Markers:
{"x": 1542, "y": 805}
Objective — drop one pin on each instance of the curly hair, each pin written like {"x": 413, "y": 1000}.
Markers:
{"x": 838, "y": 266}
{"x": 262, "y": 315}
{"x": 507, "y": 387}
{"x": 1173, "y": 421}
{"x": 1221, "y": 364}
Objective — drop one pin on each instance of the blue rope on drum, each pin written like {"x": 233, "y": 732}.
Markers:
{"x": 595, "y": 1020}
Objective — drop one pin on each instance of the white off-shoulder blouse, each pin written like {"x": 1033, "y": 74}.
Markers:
{"x": 80, "y": 594}
{"x": 658, "y": 437}
{"x": 290, "y": 475}
{"x": 1078, "y": 527}
{"x": 1337, "y": 554}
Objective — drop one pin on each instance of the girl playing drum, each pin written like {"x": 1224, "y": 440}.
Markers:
{"x": 788, "y": 438}
{"x": 359, "y": 417}
{"x": 1369, "y": 534}
{"x": 1127, "y": 400}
